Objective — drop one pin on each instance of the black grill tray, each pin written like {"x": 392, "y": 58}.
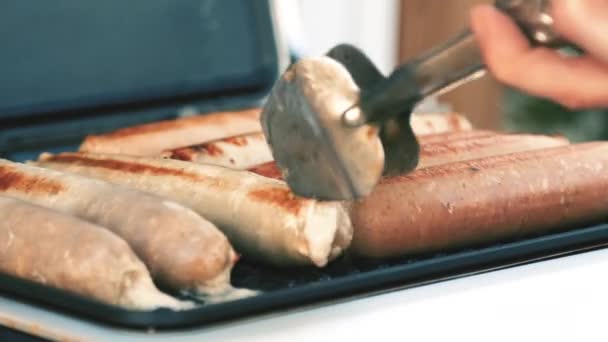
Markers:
{"x": 35, "y": 126}
{"x": 341, "y": 280}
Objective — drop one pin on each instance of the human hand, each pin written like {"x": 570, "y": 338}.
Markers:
{"x": 579, "y": 82}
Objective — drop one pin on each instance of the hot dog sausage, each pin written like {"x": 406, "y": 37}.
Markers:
{"x": 484, "y": 200}
{"x": 438, "y": 153}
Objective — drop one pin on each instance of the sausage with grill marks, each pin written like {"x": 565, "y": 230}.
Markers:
{"x": 430, "y": 123}
{"x": 249, "y": 150}
{"x": 460, "y": 148}
{"x": 438, "y": 153}
{"x": 449, "y": 137}
{"x": 180, "y": 248}
{"x": 153, "y": 138}
{"x": 260, "y": 216}
{"x": 487, "y": 200}
{"x": 239, "y": 152}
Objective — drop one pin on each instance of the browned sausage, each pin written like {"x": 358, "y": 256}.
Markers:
{"x": 448, "y": 137}
{"x": 260, "y": 216}
{"x": 430, "y": 123}
{"x": 181, "y": 248}
{"x": 458, "y": 147}
{"x": 485, "y": 200}
{"x": 153, "y": 138}
{"x": 239, "y": 152}
{"x": 268, "y": 170}
{"x": 249, "y": 150}
{"x": 443, "y": 152}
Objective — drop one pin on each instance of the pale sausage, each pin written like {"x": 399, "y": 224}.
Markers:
{"x": 54, "y": 249}
{"x": 430, "y": 123}
{"x": 180, "y": 248}
{"x": 153, "y": 138}
{"x": 260, "y": 216}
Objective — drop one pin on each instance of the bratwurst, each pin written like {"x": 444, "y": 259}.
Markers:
{"x": 431, "y": 123}
{"x": 180, "y": 248}
{"x": 48, "y": 247}
{"x": 153, "y": 138}
{"x": 457, "y": 147}
{"x": 239, "y": 152}
{"x": 261, "y": 217}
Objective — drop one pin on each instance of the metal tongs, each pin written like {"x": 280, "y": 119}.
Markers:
{"x": 336, "y": 127}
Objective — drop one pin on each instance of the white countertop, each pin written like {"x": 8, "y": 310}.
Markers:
{"x": 562, "y": 299}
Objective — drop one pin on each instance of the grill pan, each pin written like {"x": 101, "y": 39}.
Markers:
{"x": 342, "y": 280}
{"x": 27, "y": 130}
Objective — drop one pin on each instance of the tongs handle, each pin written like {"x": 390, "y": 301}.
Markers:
{"x": 439, "y": 70}
{"x": 449, "y": 65}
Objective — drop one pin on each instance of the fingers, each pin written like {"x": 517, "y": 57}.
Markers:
{"x": 572, "y": 82}
{"x": 585, "y": 23}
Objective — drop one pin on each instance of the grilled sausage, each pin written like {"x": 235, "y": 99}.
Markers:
{"x": 260, "y": 216}
{"x": 180, "y": 248}
{"x": 246, "y": 151}
{"x": 486, "y": 200}
{"x": 458, "y": 148}
{"x": 437, "y": 153}
{"x": 423, "y": 124}
{"x": 153, "y": 138}
{"x": 238, "y": 152}
{"x": 268, "y": 170}
{"x": 61, "y": 251}
{"x": 449, "y": 137}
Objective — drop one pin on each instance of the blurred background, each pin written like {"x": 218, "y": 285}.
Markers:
{"x": 65, "y": 63}
{"x": 393, "y": 31}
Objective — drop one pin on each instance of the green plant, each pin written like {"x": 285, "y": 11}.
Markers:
{"x": 535, "y": 115}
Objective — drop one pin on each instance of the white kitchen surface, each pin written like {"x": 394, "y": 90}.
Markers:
{"x": 563, "y": 299}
